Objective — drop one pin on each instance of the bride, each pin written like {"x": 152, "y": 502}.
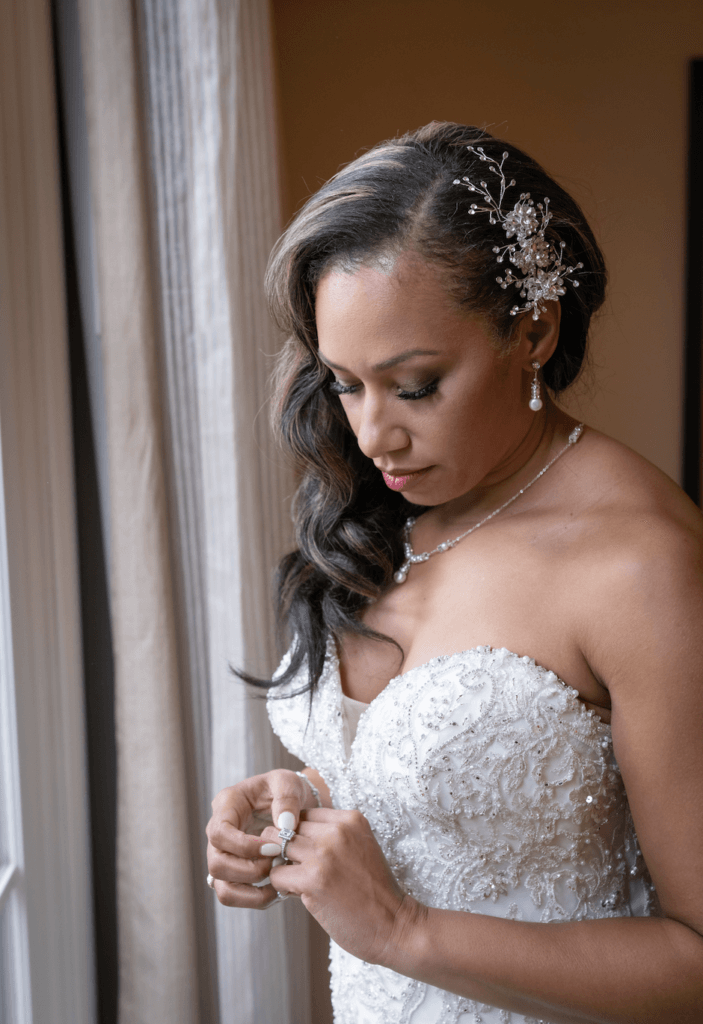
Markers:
{"x": 495, "y": 679}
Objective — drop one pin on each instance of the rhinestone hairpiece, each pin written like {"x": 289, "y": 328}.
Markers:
{"x": 540, "y": 262}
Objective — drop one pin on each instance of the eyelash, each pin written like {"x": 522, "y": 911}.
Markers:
{"x": 408, "y": 396}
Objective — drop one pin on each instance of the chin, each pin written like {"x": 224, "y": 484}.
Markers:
{"x": 427, "y": 495}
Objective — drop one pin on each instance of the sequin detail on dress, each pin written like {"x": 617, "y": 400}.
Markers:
{"x": 491, "y": 789}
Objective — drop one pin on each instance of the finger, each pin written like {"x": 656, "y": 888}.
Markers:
{"x": 234, "y": 812}
{"x": 288, "y": 797}
{"x": 237, "y": 870}
{"x": 288, "y": 819}
{"x": 269, "y": 837}
{"x": 231, "y": 842}
{"x": 290, "y": 878}
{"x": 270, "y": 849}
{"x": 280, "y": 792}
{"x": 246, "y": 896}
{"x": 296, "y": 848}
{"x": 331, "y": 815}
{"x": 267, "y": 880}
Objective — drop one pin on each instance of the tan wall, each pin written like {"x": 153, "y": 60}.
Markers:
{"x": 596, "y": 91}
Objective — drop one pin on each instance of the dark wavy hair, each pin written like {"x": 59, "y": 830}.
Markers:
{"x": 398, "y": 197}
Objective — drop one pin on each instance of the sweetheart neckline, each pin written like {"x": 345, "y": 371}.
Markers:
{"x": 479, "y": 648}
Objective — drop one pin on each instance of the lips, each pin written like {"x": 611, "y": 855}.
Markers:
{"x": 398, "y": 482}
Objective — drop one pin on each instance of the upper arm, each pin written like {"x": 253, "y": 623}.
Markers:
{"x": 646, "y": 644}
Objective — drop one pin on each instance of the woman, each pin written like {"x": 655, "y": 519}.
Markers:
{"x": 525, "y": 657}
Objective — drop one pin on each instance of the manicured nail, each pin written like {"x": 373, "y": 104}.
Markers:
{"x": 258, "y": 885}
{"x": 277, "y": 861}
{"x": 270, "y": 850}
{"x": 286, "y": 819}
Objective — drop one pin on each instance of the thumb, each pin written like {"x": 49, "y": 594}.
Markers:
{"x": 286, "y": 819}
{"x": 287, "y": 800}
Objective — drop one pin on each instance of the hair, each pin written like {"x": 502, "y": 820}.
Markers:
{"x": 400, "y": 197}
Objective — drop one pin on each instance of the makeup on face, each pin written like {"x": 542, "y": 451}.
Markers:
{"x": 399, "y": 482}
{"x": 421, "y": 382}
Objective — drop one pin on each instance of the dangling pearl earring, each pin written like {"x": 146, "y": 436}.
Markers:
{"x": 535, "y": 400}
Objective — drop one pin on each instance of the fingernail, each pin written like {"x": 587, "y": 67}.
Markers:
{"x": 286, "y": 819}
{"x": 277, "y": 861}
{"x": 258, "y": 885}
{"x": 270, "y": 850}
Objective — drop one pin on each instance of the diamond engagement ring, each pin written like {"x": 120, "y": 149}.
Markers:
{"x": 285, "y": 835}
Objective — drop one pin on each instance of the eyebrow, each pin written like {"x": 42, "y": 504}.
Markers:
{"x": 387, "y": 363}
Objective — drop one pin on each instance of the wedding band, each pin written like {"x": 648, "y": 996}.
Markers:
{"x": 285, "y": 835}
{"x": 210, "y": 881}
{"x": 282, "y": 895}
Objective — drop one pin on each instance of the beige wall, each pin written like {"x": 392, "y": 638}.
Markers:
{"x": 597, "y": 91}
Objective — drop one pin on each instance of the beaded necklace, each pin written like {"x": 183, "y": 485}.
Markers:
{"x": 411, "y": 558}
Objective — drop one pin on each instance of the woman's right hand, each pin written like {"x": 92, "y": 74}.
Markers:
{"x": 237, "y": 860}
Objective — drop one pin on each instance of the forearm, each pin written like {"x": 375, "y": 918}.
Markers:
{"x": 613, "y": 971}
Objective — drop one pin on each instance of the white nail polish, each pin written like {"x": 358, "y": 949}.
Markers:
{"x": 286, "y": 819}
{"x": 259, "y": 885}
{"x": 277, "y": 861}
{"x": 270, "y": 850}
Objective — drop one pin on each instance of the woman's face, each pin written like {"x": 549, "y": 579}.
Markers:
{"x": 432, "y": 403}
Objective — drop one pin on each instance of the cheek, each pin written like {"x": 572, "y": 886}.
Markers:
{"x": 476, "y": 420}
{"x": 351, "y": 408}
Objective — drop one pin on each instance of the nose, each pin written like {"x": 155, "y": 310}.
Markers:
{"x": 378, "y": 426}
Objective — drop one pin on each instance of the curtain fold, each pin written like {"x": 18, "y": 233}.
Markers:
{"x": 183, "y": 169}
{"x": 155, "y": 926}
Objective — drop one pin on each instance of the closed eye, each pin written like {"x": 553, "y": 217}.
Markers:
{"x": 429, "y": 389}
{"x": 337, "y": 388}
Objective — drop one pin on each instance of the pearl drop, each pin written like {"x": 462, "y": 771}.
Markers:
{"x": 535, "y": 404}
{"x": 400, "y": 576}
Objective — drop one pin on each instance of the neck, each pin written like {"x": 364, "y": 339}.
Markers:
{"x": 519, "y": 463}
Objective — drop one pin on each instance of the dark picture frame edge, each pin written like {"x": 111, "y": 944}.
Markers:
{"x": 692, "y": 469}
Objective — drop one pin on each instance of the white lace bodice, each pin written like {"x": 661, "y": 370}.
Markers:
{"x": 491, "y": 789}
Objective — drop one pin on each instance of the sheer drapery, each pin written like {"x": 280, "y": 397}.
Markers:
{"x": 180, "y": 116}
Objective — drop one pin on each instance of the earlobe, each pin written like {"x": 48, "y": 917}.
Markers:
{"x": 540, "y": 337}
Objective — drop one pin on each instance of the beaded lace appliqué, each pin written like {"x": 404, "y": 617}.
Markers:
{"x": 491, "y": 789}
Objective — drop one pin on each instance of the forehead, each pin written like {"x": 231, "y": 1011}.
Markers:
{"x": 375, "y": 313}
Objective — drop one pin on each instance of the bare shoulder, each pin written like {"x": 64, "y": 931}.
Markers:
{"x": 638, "y": 552}
{"x": 640, "y": 556}
{"x": 631, "y": 505}
{"x": 625, "y": 483}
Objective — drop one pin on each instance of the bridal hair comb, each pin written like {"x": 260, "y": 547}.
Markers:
{"x": 540, "y": 262}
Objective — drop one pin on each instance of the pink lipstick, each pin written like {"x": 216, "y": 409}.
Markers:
{"x": 398, "y": 483}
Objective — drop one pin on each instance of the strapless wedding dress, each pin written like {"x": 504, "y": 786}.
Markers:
{"x": 491, "y": 789}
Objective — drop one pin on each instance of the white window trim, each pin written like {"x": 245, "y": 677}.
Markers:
{"x": 12, "y": 895}
{"x": 41, "y": 576}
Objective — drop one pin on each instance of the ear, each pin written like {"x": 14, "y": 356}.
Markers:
{"x": 537, "y": 339}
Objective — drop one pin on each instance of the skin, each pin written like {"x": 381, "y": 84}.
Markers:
{"x": 596, "y": 572}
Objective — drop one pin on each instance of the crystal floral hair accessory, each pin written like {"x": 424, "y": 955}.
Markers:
{"x": 540, "y": 262}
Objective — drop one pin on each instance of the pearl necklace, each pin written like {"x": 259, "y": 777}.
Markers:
{"x": 411, "y": 558}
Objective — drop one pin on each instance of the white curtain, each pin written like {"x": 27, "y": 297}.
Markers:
{"x": 184, "y": 190}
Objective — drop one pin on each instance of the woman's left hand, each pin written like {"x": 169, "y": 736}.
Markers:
{"x": 340, "y": 873}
